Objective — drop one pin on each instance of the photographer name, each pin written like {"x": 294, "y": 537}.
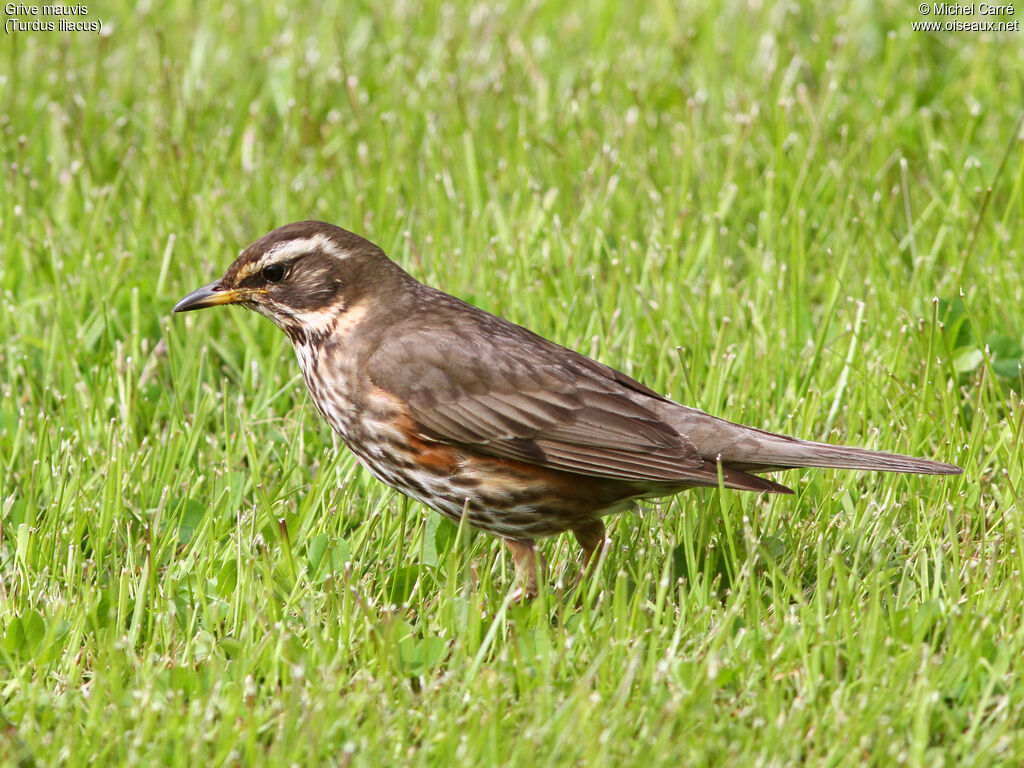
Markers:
{"x": 971, "y": 9}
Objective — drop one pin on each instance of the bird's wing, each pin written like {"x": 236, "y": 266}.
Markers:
{"x": 508, "y": 403}
{"x": 511, "y": 394}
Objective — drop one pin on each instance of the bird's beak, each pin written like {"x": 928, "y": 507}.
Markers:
{"x": 210, "y": 295}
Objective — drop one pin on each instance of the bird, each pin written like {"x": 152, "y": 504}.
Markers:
{"x": 483, "y": 420}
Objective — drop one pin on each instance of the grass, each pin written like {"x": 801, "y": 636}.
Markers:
{"x": 799, "y": 219}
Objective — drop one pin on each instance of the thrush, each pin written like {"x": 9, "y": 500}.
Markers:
{"x": 483, "y": 420}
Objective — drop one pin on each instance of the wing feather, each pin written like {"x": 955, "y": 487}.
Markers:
{"x": 531, "y": 400}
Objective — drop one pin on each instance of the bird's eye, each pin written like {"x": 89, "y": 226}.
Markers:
{"x": 274, "y": 273}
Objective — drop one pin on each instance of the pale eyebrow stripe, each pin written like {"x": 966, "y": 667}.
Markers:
{"x": 295, "y": 247}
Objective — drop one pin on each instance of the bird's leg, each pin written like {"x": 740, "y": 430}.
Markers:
{"x": 591, "y": 536}
{"x": 530, "y": 566}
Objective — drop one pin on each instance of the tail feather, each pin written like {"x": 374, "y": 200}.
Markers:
{"x": 754, "y": 450}
{"x": 787, "y": 453}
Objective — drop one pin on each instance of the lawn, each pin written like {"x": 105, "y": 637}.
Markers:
{"x": 805, "y": 220}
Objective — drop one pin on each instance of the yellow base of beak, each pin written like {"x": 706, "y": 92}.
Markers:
{"x": 210, "y": 295}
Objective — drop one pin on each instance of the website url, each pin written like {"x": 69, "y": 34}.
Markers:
{"x": 955, "y": 25}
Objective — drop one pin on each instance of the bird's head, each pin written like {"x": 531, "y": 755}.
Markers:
{"x": 303, "y": 276}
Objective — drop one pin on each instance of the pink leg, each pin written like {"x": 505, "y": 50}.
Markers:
{"x": 530, "y": 566}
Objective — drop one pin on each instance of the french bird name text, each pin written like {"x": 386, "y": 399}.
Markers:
{"x": 20, "y": 9}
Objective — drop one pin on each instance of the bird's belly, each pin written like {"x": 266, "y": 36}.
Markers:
{"x": 507, "y": 498}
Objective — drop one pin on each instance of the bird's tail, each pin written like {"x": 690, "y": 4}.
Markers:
{"x": 754, "y": 450}
{"x": 784, "y": 452}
